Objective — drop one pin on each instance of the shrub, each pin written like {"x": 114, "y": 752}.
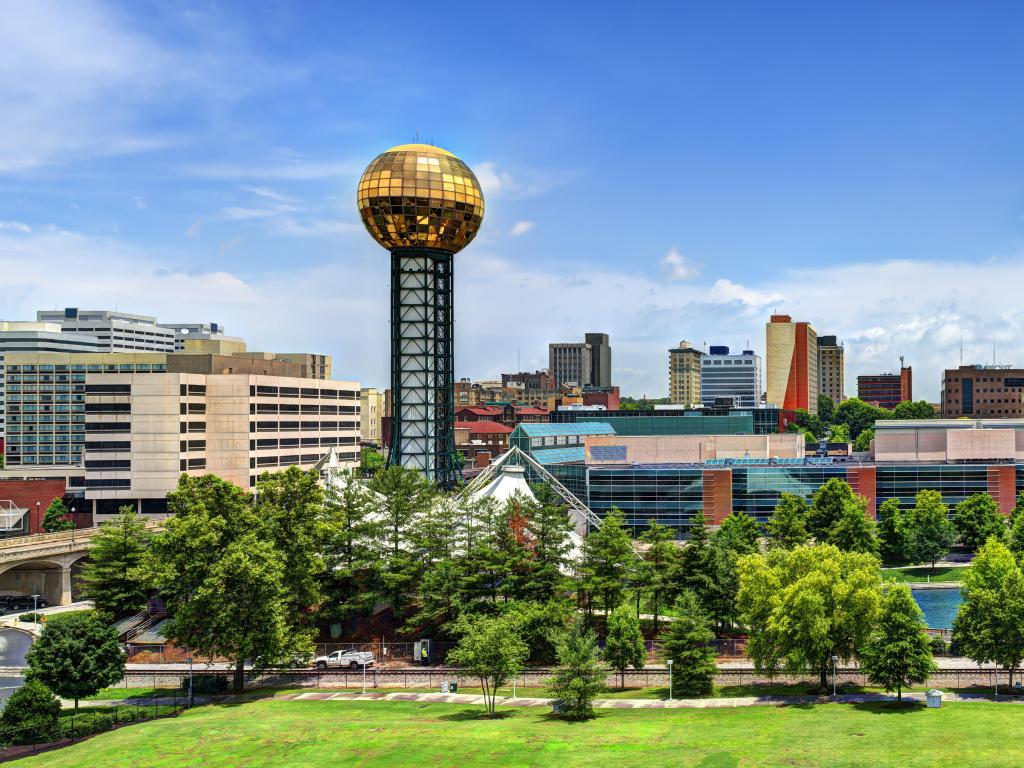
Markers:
{"x": 205, "y": 684}
{"x": 30, "y": 716}
{"x": 31, "y": 617}
{"x": 86, "y": 725}
{"x": 938, "y": 645}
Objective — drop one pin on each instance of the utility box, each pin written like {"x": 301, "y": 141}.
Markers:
{"x": 453, "y": 687}
{"x": 934, "y": 697}
{"x": 444, "y": 687}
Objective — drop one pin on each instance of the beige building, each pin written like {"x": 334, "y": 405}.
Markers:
{"x": 684, "y": 374}
{"x": 949, "y": 440}
{"x": 791, "y": 364}
{"x": 371, "y": 416}
{"x": 691, "y": 449}
{"x": 831, "y": 369}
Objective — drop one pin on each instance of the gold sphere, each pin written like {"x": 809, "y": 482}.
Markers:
{"x": 419, "y": 196}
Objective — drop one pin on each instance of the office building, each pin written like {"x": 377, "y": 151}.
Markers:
{"x": 198, "y": 332}
{"x": 120, "y": 331}
{"x": 983, "y": 391}
{"x": 730, "y": 376}
{"x": 831, "y": 366}
{"x": 371, "y": 416}
{"x": 684, "y": 370}
{"x": 791, "y": 363}
{"x": 584, "y": 364}
{"x": 886, "y": 390}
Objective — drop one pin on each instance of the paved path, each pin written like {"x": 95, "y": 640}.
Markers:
{"x": 522, "y": 701}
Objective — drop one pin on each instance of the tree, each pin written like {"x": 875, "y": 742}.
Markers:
{"x": 218, "y": 567}
{"x": 858, "y": 415}
{"x": 351, "y": 541}
{"x": 76, "y": 655}
{"x": 579, "y": 677}
{"x": 977, "y": 518}
{"x": 990, "y": 623}
{"x": 928, "y": 532}
{"x": 708, "y": 569}
{"x": 898, "y": 652}
{"x": 1017, "y": 509}
{"x": 805, "y": 605}
{"x": 661, "y": 561}
{"x": 370, "y": 462}
{"x": 854, "y": 531}
{"x": 809, "y": 423}
{"x": 826, "y": 409}
{"x": 863, "y": 442}
{"x": 624, "y": 647}
{"x": 1016, "y": 539}
{"x": 491, "y": 649}
{"x": 893, "y": 531}
{"x": 827, "y": 506}
{"x": 919, "y": 409}
{"x": 110, "y": 578}
{"x": 548, "y": 528}
{"x": 787, "y": 527}
{"x": 739, "y": 532}
{"x": 56, "y": 517}
{"x": 30, "y": 716}
{"x": 608, "y": 558}
{"x": 687, "y": 643}
{"x": 840, "y": 433}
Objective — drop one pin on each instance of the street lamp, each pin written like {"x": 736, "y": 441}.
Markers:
{"x": 190, "y": 697}
{"x": 35, "y": 608}
{"x": 834, "y": 660}
{"x": 670, "y": 679}
{"x": 364, "y": 674}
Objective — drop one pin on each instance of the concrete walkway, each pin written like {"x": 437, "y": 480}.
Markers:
{"x": 522, "y": 701}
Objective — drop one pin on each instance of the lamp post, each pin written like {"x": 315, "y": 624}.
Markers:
{"x": 670, "y": 679}
{"x": 834, "y": 660}
{"x": 364, "y": 674}
{"x": 35, "y": 608}
{"x": 190, "y": 697}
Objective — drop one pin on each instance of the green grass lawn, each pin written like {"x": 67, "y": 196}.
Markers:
{"x": 270, "y": 734}
{"x": 117, "y": 694}
{"x": 919, "y": 573}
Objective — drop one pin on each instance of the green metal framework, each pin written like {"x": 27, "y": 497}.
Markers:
{"x": 422, "y": 365}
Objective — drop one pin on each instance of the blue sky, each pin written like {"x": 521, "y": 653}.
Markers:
{"x": 658, "y": 171}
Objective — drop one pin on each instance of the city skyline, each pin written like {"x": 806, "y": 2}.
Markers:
{"x": 191, "y": 163}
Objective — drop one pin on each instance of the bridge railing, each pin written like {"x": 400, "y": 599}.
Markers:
{"x": 73, "y": 535}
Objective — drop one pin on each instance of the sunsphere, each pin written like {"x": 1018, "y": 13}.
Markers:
{"x": 420, "y": 196}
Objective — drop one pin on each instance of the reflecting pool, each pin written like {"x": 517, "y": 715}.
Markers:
{"x": 938, "y": 605}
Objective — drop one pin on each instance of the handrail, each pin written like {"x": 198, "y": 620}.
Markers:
{"x": 73, "y": 535}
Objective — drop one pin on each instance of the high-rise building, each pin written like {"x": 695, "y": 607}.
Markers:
{"x": 733, "y": 376}
{"x": 886, "y": 390}
{"x": 371, "y": 416}
{"x": 983, "y": 391}
{"x": 133, "y": 421}
{"x": 792, "y": 364}
{"x": 684, "y": 369}
{"x": 582, "y": 364}
{"x": 831, "y": 375}
{"x": 120, "y": 331}
{"x": 424, "y": 205}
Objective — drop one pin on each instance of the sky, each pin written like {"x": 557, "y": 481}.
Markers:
{"x": 655, "y": 171}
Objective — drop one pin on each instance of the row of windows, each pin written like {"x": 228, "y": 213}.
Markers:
{"x": 187, "y": 464}
{"x": 89, "y": 368}
{"x": 192, "y": 445}
{"x": 330, "y": 410}
{"x": 193, "y": 389}
{"x": 284, "y": 461}
{"x": 294, "y": 426}
{"x": 108, "y": 445}
{"x": 108, "y": 464}
{"x": 295, "y": 442}
{"x": 331, "y": 394}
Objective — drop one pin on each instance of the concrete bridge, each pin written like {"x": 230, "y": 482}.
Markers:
{"x": 46, "y": 564}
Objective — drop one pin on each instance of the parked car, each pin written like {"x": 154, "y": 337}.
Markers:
{"x": 350, "y": 659}
{"x": 22, "y": 603}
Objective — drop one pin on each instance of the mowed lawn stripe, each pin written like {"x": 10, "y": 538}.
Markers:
{"x": 294, "y": 734}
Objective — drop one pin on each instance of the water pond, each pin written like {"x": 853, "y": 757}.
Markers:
{"x": 938, "y": 605}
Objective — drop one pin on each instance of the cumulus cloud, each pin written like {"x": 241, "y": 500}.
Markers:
{"x": 678, "y": 267}
{"x": 502, "y": 184}
{"x": 521, "y": 228}
{"x": 727, "y": 291}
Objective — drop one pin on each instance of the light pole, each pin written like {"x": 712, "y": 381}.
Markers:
{"x": 364, "y": 675}
{"x": 670, "y": 679}
{"x": 190, "y": 698}
{"x": 834, "y": 660}
{"x": 35, "y": 608}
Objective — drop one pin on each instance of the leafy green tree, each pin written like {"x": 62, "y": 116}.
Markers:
{"x": 893, "y": 531}
{"x": 739, "y": 532}
{"x": 840, "y": 433}
{"x": 57, "y": 517}
{"x": 661, "y": 560}
{"x": 579, "y": 677}
{"x": 548, "y": 528}
{"x": 696, "y": 571}
{"x": 854, "y": 531}
{"x": 989, "y": 627}
{"x": 858, "y": 415}
{"x": 805, "y": 605}
{"x": 708, "y": 569}
{"x": 827, "y": 507}
{"x": 76, "y": 655}
{"x": 919, "y": 409}
{"x": 826, "y": 409}
{"x": 863, "y": 442}
{"x": 110, "y": 578}
{"x": 977, "y": 518}
{"x": 30, "y": 716}
{"x": 809, "y": 423}
{"x": 492, "y": 649}
{"x": 352, "y": 538}
{"x": 898, "y": 652}
{"x": 787, "y": 527}
{"x": 624, "y": 647}
{"x": 499, "y": 567}
{"x": 370, "y": 462}
{"x": 218, "y": 567}
{"x": 1016, "y": 539}
{"x": 687, "y": 643}
{"x": 928, "y": 534}
{"x": 608, "y": 560}
{"x": 540, "y": 624}
{"x": 1017, "y": 509}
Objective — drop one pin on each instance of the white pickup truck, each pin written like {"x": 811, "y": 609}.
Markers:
{"x": 350, "y": 659}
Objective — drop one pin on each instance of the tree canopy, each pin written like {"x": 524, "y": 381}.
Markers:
{"x": 787, "y": 527}
{"x": 110, "y": 576}
{"x": 977, "y": 518}
{"x": 898, "y": 653}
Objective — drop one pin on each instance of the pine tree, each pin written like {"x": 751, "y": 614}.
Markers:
{"x": 548, "y": 526}
{"x": 930, "y": 534}
{"x": 109, "y": 577}
{"x": 624, "y": 646}
{"x": 608, "y": 559}
{"x": 739, "y": 532}
{"x": 898, "y": 653}
{"x": 661, "y": 561}
{"x": 56, "y": 517}
{"x": 579, "y": 677}
{"x": 351, "y": 541}
{"x": 687, "y": 643}
{"x": 787, "y": 527}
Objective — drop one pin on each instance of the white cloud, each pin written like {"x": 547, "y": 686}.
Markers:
{"x": 140, "y": 203}
{"x": 241, "y": 213}
{"x": 679, "y": 267}
{"x": 269, "y": 194}
{"x": 500, "y": 183}
{"x": 16, "y": 226}
{"x": 314, "y": 228}
{"x": 194, "y": 228}
{"x": 521, "y": 228}
{"x": 724, "y": 291}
